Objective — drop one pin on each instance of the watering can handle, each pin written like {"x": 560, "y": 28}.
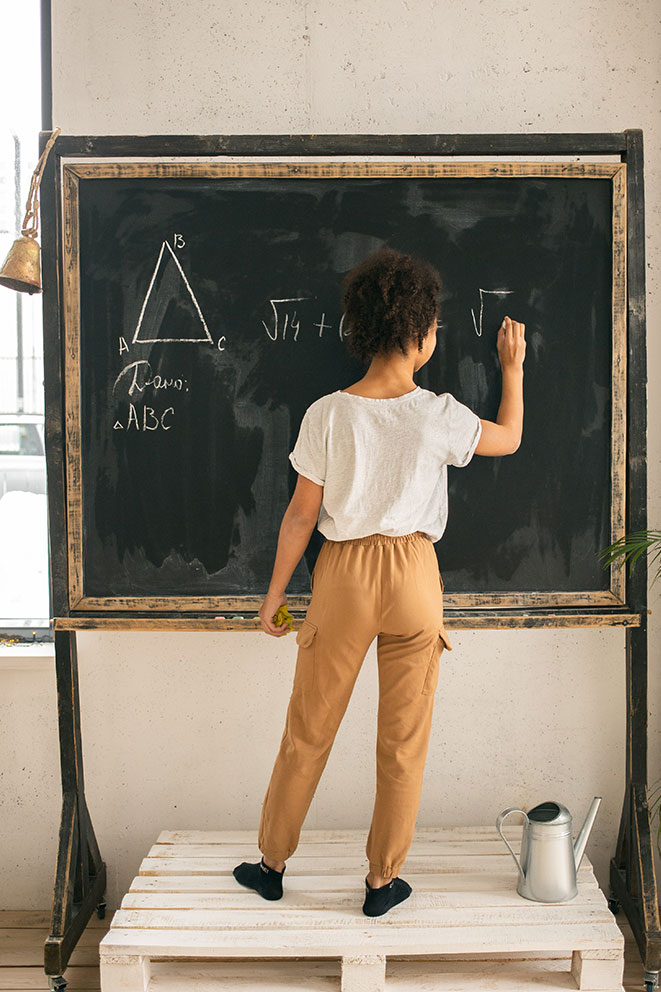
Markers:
{"x": 499, "y": 821}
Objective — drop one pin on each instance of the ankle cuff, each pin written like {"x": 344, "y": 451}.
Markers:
{"x": 267, "y": 868}
{"x": 384, "y": 871}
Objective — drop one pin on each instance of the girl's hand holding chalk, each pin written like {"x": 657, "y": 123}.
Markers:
{"x": 511, "y": 343}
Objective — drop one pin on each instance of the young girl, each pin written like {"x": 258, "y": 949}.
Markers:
{"x": 372, "y": 476}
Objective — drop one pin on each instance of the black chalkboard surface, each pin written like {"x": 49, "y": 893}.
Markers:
{"x": 210, "y": 318}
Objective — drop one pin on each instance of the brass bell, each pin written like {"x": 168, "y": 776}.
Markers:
{"x": 21, "y": 269}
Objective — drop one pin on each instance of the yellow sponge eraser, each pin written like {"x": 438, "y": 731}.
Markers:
{"x": 283, "y": 616}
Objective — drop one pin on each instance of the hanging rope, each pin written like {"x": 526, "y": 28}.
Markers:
{"x": 31, "y": 219}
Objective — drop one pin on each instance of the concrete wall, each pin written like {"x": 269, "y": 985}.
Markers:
{"x": 521, "y": 716}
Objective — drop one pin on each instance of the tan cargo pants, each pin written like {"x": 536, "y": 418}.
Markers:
{"x": 391, "y": 588}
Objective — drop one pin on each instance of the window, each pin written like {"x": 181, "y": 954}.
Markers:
{"x": 24, "y": 565}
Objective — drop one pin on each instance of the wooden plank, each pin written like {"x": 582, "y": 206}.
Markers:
{"x": 487, "y": 925}
{"x": 348, "y": 896}
{"x": 349, "y": 850}
{"x": 487, "y": 843}
{"x": 332, "y": 865}
{"x": 54, "y": 379}
{"x": 349, "y": 856}
{"x": 587, "y": 618}
{"x": 512, "y": 143}
{"x": 283, "y": 976}
{"x": 436, "y": 168}
{"x": 330, "y": 836}
{"x": 418, "y": 912}
{"x": 459, "y": 882}
{"x": 391, "y": 939}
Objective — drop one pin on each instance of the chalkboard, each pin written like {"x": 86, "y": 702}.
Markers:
{"x": 204, "y": 316}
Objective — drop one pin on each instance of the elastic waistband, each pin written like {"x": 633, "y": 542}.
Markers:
{"x": 384, "y": 538}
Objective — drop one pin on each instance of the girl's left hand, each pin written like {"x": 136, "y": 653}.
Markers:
{"x": 267, "y": 611}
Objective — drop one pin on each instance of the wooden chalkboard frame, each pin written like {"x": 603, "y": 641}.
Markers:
{"x": 73, "y": 173}
{"x": 80, "y": 873}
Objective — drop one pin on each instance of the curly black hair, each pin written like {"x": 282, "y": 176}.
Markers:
{"x": 390, "y": 301}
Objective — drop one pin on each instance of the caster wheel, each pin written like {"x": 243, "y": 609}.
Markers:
{"x": 101, "y": 911}
{"x": 650, "y": 986}
{"x": 651, "y": 983}
{"x": 614, "y": 906}
{"x": 57, "y": 984}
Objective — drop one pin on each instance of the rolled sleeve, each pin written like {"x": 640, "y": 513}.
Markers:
{"x": 309, "y": 453}
{"x": 464, "y": 432}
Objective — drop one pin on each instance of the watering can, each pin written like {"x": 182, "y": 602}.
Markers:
{"x": 549, "y": 857}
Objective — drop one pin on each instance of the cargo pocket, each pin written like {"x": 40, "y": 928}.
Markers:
{"x": 304, "y": 674}
{"x": 431, "y": 676}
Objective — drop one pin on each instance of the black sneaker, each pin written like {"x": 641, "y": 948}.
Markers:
{"x": 379, "y": 901}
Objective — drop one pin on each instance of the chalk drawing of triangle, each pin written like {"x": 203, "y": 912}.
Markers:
{"x": 170, "y": 304}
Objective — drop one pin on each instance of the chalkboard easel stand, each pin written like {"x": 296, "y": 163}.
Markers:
{"x": 632, "y": 875}
{"x": 80, "y": 876}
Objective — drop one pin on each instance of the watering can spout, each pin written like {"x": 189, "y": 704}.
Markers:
{"x": 582, "y": 839}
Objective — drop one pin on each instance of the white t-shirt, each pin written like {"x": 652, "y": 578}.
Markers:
{"x": 383, "y": 462}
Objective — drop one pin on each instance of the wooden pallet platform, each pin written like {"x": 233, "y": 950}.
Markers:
{"x": 187, "y": 924}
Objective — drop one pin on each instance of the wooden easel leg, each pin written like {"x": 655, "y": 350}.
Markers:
{"x": 633, "y": 883}
{"x": 633, "y": 880}
{"x": 80, "y": 874}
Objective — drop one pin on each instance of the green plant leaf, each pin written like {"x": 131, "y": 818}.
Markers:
{"x": 630, "y": 547}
